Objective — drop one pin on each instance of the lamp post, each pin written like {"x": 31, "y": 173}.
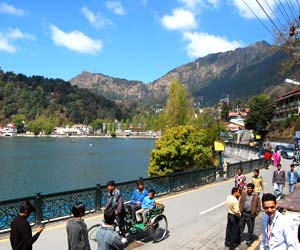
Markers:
{"x": 220, "y": 165}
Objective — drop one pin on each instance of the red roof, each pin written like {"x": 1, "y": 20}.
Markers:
{"x": 289, "y": 94}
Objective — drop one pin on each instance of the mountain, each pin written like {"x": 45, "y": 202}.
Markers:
{"x": 240, "y": 73}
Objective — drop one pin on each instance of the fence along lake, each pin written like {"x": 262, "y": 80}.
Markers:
{"x": 48, "y": 165}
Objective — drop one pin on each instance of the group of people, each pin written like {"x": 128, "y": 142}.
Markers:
{"x": 115, "y": 210}
{"x": 107, "y": 237}
{"x": 243, "y": 206}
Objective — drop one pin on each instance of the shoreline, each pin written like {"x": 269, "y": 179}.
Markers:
{"x": 88, "y": 136}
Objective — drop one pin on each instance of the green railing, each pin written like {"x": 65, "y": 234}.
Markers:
{"x": 58, "y": 206}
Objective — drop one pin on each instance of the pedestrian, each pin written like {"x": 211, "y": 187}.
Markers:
{"x": 249, "y": 208}
{"x": 106, "y": 236}
{"x": 277, "y": 231}
{"x": 21, "y": 234}
{"x": 276, "y": 157}
{"x": 137, "y": 198}
{"x": 267, "y": 158}
{"x": 278, "y": 180}
{"x": 115, "y": 202}
{"x": 232, "y": 238}
{"x": 292, "y": 178}
{"x": 240, "y": 180}
{"x": 258, "y": 182}
{"x": 77, "y": 230}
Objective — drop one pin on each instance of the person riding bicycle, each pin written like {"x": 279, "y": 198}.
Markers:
{"x": 137, "y": 198}
{"x": 115, "y": 202}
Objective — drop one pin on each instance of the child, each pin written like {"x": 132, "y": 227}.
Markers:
{"x": 147, "y": 204}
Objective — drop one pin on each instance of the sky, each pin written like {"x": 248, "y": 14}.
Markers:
{"x": 132, "y": 39}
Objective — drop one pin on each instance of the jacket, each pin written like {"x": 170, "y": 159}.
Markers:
{"x": 255, "y": 205}
{"x": 77, "y": 235}
{"x": 295, "y": 177}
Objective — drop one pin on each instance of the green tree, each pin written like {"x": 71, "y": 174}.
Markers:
{"x": 179, "y": 107}
{"x": 179, "y": 149}
{"x": 19, "y": 120}
{"x": 261, "y": 114}
{"x": 96, "y": 124}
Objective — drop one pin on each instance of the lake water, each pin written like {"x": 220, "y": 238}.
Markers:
{"x": 50, "y": 165}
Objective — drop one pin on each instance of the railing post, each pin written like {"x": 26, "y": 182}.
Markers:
{"x": 172, "y": 181}
{"x": 250, "y": 162}
{"x": 98, "y": 197}
{"x": 38, "y": 209}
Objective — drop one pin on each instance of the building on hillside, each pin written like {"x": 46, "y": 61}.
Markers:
{"x": 9, "y": 130}
{"x": 287, "y": 105}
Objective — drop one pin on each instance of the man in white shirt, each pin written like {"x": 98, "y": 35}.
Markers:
{"x": 277, "y": 231}
{"x": 232, "y": 238}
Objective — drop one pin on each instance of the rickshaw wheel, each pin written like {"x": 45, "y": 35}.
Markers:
{"x": 159, "y": 228}
{"x": 92, "y": 236}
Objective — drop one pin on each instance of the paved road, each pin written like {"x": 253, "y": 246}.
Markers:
{"x": 197, "y": 220}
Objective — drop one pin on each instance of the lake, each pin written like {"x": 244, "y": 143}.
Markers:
{"x": 49, "y": 165}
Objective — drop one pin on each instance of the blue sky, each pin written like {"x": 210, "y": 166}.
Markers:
{"x": 132, "y": 39}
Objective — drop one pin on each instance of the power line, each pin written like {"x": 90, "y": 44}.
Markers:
{"x": 270, "y": 19}
{"x": 273, "y": 12}
{"x": 259, "y": 19}
{"x": 282, "y": 6}
{"x": 291, "y": 9}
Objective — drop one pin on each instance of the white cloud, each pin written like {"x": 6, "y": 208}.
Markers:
{"x": 6, "y": 46}
{"x": 245, "y": 12}
{"x": 13, "y": 34}
{"x": 194, "y": 4}
{"x": 116, "y": 7}
{"x": 201, "y": 44}
{"x": 76, "y": 41}
{"x": 95, "y": 19}
{"x": 10, "y": 9}
{"x": 180, "y": 20}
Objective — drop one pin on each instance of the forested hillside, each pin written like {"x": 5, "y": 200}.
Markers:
{"x": 34, "y": 96}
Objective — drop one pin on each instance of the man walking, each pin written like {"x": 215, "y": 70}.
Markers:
{"x": 249, "y": 208}
{"x": 240, "y": 180}
{"x": 232, "y": 238}
{"x": 278, "y": 180}
{"x": 277, "y": 231}
{"x": 21, "y": 234}
{"x": 292, "y": 178}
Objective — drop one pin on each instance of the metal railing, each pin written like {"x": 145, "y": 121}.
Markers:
{"x": 57, "y": 206}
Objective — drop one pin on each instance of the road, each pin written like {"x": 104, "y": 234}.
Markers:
{"x": 197, "y": 220}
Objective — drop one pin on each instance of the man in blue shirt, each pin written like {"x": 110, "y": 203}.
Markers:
{"x": 147, "y": 204}
{"x": 292, "y": 178}
{"x": 107, "y": 237}
{"x": 137, "y": 198}
{"x": 277, "y": 231}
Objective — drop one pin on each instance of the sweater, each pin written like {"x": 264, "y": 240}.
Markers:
{"x": 278, "y": 177}
{"x": 21, "y": 234}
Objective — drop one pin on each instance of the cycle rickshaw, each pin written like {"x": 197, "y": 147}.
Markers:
{"x": 156, "y": 224}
